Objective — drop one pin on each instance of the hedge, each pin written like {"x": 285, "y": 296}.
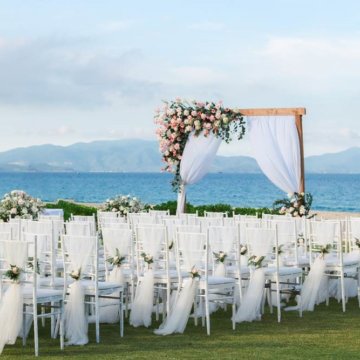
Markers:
{"x": 80, "y": 209}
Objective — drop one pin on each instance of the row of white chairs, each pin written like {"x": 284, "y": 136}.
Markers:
{"x": 132, "y": 237}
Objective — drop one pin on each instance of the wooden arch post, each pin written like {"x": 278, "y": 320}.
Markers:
{"x": 298, "y": 114}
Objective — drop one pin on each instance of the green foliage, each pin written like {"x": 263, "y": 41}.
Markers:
{"x": 72, "y": 208}
{"x": 79, "y": 209}
{"x": 191, "y": 209}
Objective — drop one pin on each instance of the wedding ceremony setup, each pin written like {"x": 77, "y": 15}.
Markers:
{"x": 136, "y": 267}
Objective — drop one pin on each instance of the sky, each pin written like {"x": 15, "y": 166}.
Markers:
{"x": 84, "y": 70}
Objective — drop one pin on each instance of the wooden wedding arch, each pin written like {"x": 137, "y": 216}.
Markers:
{"x": 298, "y": 114}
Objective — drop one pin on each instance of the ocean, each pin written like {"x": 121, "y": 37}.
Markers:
{"x": 332, "y": 192}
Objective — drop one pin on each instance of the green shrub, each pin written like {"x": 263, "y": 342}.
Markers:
{"x": 72, "y": 208}
{"x": 79, "y": 209}
{"x": 191, "y": 209}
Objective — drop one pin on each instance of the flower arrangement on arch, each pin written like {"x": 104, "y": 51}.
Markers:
{"x": 178, "y": 119}
{"x": 124, "y": 204}
{"x": 296, "y": 205}
{"x": 18, "y": 204}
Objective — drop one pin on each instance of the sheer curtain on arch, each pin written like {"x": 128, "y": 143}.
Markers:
{"x": 196, "y": 160}
{"x": 276, "y": 148}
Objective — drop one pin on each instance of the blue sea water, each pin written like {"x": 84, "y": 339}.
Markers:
{"x": 334, "y": 192}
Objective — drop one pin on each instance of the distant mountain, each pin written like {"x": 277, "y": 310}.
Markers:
{"x": 116, "y": 156}
{"x": 143, "y": 156}
{"x": 344, "y": 162}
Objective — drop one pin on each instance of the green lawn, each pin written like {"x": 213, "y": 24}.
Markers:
{"x": 326, "y": 333}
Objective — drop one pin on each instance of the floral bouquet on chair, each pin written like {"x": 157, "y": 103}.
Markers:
{"x": 124, "y": 204}
{"x": 296, "y": 205}
{"x": 18, "y": 204}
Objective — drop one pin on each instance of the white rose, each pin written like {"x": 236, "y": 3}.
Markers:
{"x": 186, "y": 112}
{"x": 13, "y": 211}
{"x": 225, "y": 119}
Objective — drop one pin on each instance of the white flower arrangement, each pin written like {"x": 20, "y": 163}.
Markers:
{"x": 220, "y": 256}
{"x": 147, "y": 258}
{"x": 296, "y": 205}
{"x": 194, "y": 273}
{"x": 124, "y": 204}
{"x": 14, "y": 273}
{"x": 256, "y": 261}
{"x": 76, "y": 274}
{"x": 18, "y": 204}
{"x": 243, "y": 250}
{"x": 116, "y": 260}
{"x": 323, "y": 249}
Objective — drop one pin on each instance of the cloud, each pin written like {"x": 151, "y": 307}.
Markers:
{"x": 320, "y": 64}
{"x": 55, "y": 73}
{"x": 195, "y": 75}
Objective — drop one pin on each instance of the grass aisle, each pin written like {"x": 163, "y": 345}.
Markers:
{"x": 326, "y": 333}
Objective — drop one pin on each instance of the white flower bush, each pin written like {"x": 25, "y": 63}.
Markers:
{"x": 124, "y": 204}
{"x": 18, "y": 204}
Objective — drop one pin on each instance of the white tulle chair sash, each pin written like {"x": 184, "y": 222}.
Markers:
{"x": 191, "y": 248}
{"x": 259, "y": 243}
{"x": 11, "y": 303}
{"x": 150, "y": 241}
{"x": 79, "y": 250}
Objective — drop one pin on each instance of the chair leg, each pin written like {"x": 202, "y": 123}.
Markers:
{"x": 233, "y": 313}
{"x": 43, "y": 318}
{"x": 278, "y": 303}
{"x": 342, "y": 284}
{"x": 97, "y": 321}
{"x": 61, "y": 325}
{"x": 121, "y": 314}
{"x": 196, "y": 311}
{"x": 207, "y": 314}
{"x": 126, "y": 292}
{"x": 36, "y": 331}
{"x": 24, "y": 328}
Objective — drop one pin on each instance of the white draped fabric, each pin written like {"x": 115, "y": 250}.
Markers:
{"x": 196, "y": 160}
{"x": 250, "y": 308}
{"x": 275, "y": 146}
{"x": 11, "y": 305}
{"x": 191, "y": 247}
{"x": 151, "y": 241}
{"x": 114, "y": 240}
{"x": 79, "y": 250}
{"x": 222, "y": 239}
